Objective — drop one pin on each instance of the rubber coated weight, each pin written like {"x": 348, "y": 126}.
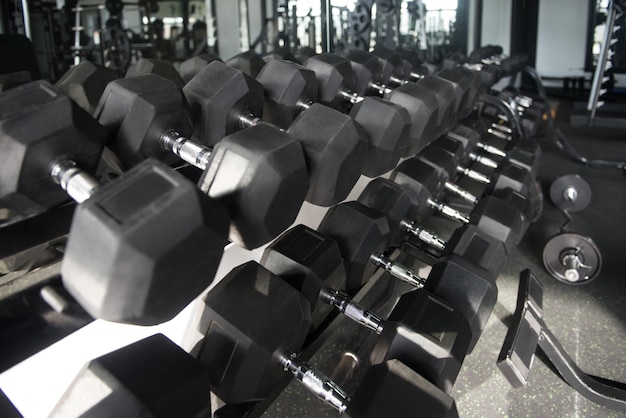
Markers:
{"x": 570, "y": 193}
{"x": 572, "y": 258}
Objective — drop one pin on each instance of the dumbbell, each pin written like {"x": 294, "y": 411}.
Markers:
{"x": 468, "y": 241}
{"x": 336, "y": 89}
{"x": 248, "y": 351}
{"x": 362, "y": 234}
{"x": 509, "y": 182}
{"x": 141, "y": 247}
{"x": 281, "y": 53}
{"x": 151, "y": 377}
{"x": 491, "y": 214}
{"x": 248, "y": 62}
{"x": 523, "y": 153}
{"x": 291, "y": 88}
{"x": 312, "y": 264}
{"x": 192, "y": 66}
{"x": 85, "y": 82}
{"x": 448, "y": 93}
{"x": 163, "y": 68}
{"x": 10, "y": 80}
{"x": 373, "y": 74}
{"x": 224, "y": 100}
{"x": 506, "y": 175}
{"x": 259, "y": 173}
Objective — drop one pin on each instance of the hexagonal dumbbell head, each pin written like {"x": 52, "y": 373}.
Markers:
{"x": 84, "y": 83}
{"x": 289, "y": 88}
{"x": 511, "y": 176}
{"x": 521, "y": 203}
{"x": 335, "y": 150}
{"x": 420, "y": 181}
{"x": 500, "y": 220}
{"x": 308, "y": 261}
{"x": 282, "y": 53}
{"x": 360, "y": 232}
{"x": 249, "y": 62}
{"x": 260, "y": 175}
{"x": 192, "y": 66}
{"x": 426, "y": 334}
{"x": 387, "y": 126}
{"x": 472, "y": 243}
{"x": 466, "y": 135}
{"x": 137, "y": 110}
{"x": 303, "y": 53}
{"x": 152, "y": 377}
{"x": 392, "y": 389}
{"x": 446, "y": 99}
{"x": 241, "y": 345}
{"x": 144, "y": 246}
{"x": 39, "y": 125}
{"x": 219, "y": 96}
{"x": 366, "y": 68}
{"x": 158, "y": 67}
{"x": 464, "y": 88}
{"x": 393, "y": 69}
{"x": 466, "y": 287}
{"x": 10, "y": 80}
{"x": 334, "y": 75}
{"x": 422, "y": 106}
{"x": 443, "y": 162}
{"x": 394, "y": 201}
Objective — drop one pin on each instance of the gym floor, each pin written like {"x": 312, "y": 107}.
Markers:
{"x": 588, "y": 320}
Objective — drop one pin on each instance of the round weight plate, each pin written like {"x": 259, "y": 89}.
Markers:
{"x": 570, "y": 193}
{"x": 360, "y": 18}
{"x": 359, "y": 42}
{"x": 572, "y": 258}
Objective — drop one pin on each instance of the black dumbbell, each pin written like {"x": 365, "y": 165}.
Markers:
{"x": 493, "y": 215}
{"x": 130, "y": 238}
{"x": 524, "y": 153}
{"x": 163, "y": 68}
{"x": 248, "y": 62}
{"x": 312, "y": 264}
{"x": 192, "y": 66}
{"x": 224, "y": 100}
{"x": 468, "y": 241}
{"x": 362, "y": 234}
{"x": 248, "y": 351}
{"x": 290, "y": 88}
{"x": 10, "y": 80}
{"x": 446, "y": 165}
{"x": 85, "y": 82}
{"x": 336, "y": 83}
{"x": 152, "y": 377}
{"x": 259, "y": 173}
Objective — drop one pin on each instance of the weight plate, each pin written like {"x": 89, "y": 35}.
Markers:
{"x": 360, "y": 18}
{"x": 570, "y": 193}
{"x": 358, "y": 42}
{"x": 572, "y": 258}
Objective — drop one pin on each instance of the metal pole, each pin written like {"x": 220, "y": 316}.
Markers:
{"x": 26, "y": 16}
{"x": 327, "y": 25}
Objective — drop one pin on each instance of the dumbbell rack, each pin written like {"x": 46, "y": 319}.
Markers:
{"x": 58, "y": 364}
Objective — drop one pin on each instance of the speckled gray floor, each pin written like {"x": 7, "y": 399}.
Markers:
{"x": 588, "y": 320}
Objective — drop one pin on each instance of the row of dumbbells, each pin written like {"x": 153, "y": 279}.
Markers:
{"x": 259, "y": 174}
{"x": 122, "y": 210}
{"x": 302, "y": 275}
